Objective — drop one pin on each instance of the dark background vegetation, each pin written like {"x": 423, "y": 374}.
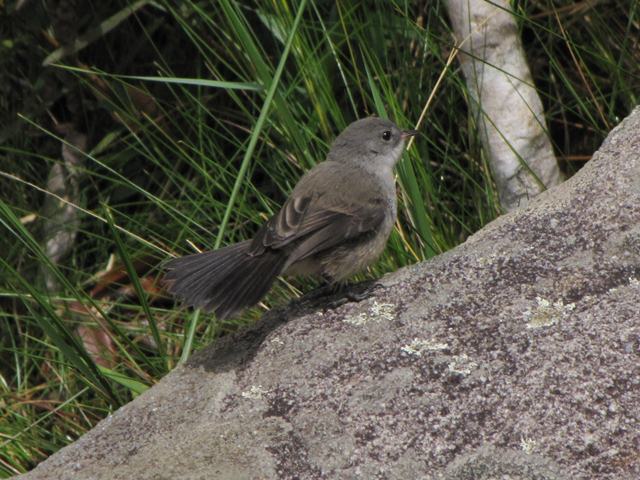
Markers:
{"x": 165, "y": 163}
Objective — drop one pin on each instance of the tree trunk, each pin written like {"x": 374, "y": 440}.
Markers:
{"x": 505, "y": 103}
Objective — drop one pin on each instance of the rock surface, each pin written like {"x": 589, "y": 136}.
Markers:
{"x": 516, "y": 355}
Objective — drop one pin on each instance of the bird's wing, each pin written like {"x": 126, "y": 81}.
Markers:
{"x": 339, "y": 229}
{"x": 316, "y": 221}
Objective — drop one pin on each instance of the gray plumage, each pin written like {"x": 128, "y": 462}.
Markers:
{"x": 335, "y": 223}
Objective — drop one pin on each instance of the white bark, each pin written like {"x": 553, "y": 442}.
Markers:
{"x": 507, "y": 106}
{"x": 62, "y": 221}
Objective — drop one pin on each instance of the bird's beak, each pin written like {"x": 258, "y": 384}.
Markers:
{"x": 408, "y": 133}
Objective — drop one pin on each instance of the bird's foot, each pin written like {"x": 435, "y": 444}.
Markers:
{"x": 322, "y": 292}
{"x": 362, "y": 291}
{"x": 339, "y": 293}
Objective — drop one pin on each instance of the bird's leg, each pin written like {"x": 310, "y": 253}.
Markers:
{"x": 361, "y": 291}
{"x": 336, "y": 293}
{"x": 326, "y": 289}
{"x": 345, "y": 292}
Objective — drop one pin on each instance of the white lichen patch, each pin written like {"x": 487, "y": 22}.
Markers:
{"x": 633, "y": 283}
{"x": 488, "y": 260}
{"x": 277, "y": 341}
{"x": 418, "y": 346}
{"x": 461, "y": 364}
{"x": 256, "y": 392}
{"x": 546, "y": 313}
{"x": 377, "y": 312}
{"x": 528, "y": 445}
{"x": 384, "y": 310}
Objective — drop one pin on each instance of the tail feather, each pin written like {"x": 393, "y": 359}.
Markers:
{"x": 246, "y": 285}
{"x": 185, "y": 274}
{"x": 198, "y": 283}
{"x": 224, "y": 280}
{"x": 181, "y": 270}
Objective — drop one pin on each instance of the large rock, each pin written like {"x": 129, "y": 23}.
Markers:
{"x": 516, "y": 355}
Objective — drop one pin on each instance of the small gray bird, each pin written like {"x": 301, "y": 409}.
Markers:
{"x": 335, "y": 223}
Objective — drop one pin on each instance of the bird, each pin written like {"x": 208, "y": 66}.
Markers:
{"x": 335, "y": 223}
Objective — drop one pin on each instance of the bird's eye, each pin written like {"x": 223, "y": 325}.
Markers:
{"x": 386, "y": 135}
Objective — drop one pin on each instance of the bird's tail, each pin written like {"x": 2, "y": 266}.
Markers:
{"x": 224, "y": 280}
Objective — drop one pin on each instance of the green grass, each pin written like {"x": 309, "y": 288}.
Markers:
{"x": 201, "y": 117}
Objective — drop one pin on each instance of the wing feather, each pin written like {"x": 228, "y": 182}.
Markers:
{"x": 314, "y": 219}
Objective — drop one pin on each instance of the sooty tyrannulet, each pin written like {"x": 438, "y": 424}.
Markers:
{"x": 335, "y": 223}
